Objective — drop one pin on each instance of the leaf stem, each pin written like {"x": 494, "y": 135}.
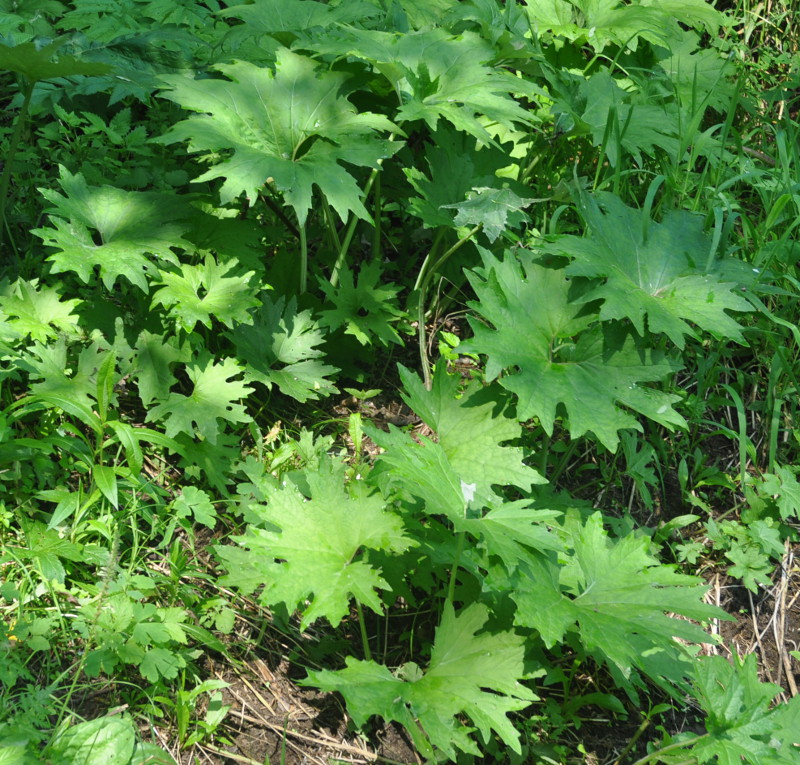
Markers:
{"x": 377, "y": 212}
{"x": 351, "y": 230}
{"x": 363, "y": 628}
{"x": 670, "y": 748}
{"x": 331, "y": 224}
{"x": 273, "y": 205}
{"x": 422, "y": 288}
{"x": 451, "y": 585}
{"x": 303, "y": 259}
{"x": 16, "y": 136}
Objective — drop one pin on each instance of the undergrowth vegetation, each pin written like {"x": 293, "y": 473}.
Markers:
{"x": 449, "y": 344}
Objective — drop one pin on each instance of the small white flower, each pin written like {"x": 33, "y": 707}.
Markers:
{"x": 468, "y": 490}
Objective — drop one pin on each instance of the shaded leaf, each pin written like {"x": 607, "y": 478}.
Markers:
{"x": 471, "y": 673}
{"x": 555, "y": 362}
{"x": 280, "y": 349}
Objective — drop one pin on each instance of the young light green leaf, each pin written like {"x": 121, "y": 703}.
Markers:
{"x": 291, "y": 127}
{"x": 740, "y": 724}
{"x": 495, "y": 210}
{"x": 39, "y": 311}
{"x": 212, "y": 399}
{"x": 471, "y": 674}
{"x": 426, "y": 470}
{"x": 537, "y": 330}
{"x": 57, "y": 375}
{"x": 309, "y": 554}
{"x": 473, "y": 426}
{"x": 198, "y": 293}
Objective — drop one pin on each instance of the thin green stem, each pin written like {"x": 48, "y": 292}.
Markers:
{"x": 351, "y": 230}
{"x": 16, "y": 137}
{"x": 334, "y": 234}
{"x": 363, "y": 628}
{"x": 429, "y": 257}
{"x": 376, "y": 219}
{"x": 670, "y": 748}
{"x": 422, "y": 288}
{"x": 280, "y": 214}
{"x": 303, "y": 259}
{"x": 451, "y": 585}
{"x": 636, "y": 736}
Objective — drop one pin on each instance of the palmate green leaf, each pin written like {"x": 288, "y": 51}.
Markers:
{"x": 457, "y": 477}
{"x": 199, "y": 293}
{"x": 196, "y": 503}
{"x": 39, "y": 312}
{"x": 279, "y": 348}
{"x": 309, "y": 554}
{"x": 604, "y": 22}
{"x": 495, "y": 210}
{"x": 784, "y": 486}
{"x": 590, "y": 374}
{"x": 455, "y": 166}
{"x": 152, "y": 365}
{"x": 160, "y": 663}
{"x": 56, "y": 374}
{"x": 212, "y": 399}
{"x": 285, "y": 19}
{"x": 473, "y": 431}
{"x": 615, "y": 595}
{"x": 365, "y": 307}
{"x": 699, "y": 76}
{"x": 45, "y": 63}
{"x": 438, "y": 76}
{"x": 653, "y": 271}
{"x": 214, "y": 462}
{"x": 471, "y": 674}
{"x": 292, "y": 127}
{"x": 132, "y": 226}
{"x": 615, "y": 118}
{"x": 741, "y": 726}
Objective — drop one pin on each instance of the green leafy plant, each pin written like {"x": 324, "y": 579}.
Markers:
{"x": 244, "y": 210}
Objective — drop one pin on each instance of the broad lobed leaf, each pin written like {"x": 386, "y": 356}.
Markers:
{"x": 470, "y": 672}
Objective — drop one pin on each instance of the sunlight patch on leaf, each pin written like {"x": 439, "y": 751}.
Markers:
{"x": 309, "y": 553}
{"x": 213, "y": 398}
{"x": 293, "y": 126}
